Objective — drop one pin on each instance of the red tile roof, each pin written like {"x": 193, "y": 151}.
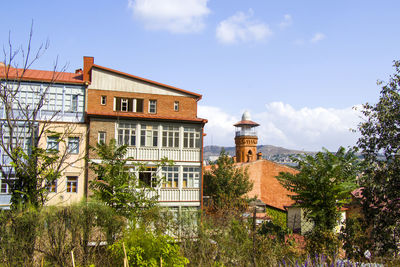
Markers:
{"x": 143, "y": 116}
{"x": 249, "y": 123}
{"x": 148, "y": 81}
{"x": 40, "y": 75}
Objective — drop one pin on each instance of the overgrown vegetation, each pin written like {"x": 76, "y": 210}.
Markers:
{"x": 321, "y": 188}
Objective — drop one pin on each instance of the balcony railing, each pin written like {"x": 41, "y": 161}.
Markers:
{"x": 177, "y": 195}
{"x": 176, "y": 154}
{"x": 246, "y": 133}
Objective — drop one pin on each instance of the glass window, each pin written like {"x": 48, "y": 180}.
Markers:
{"x": 126, "y": 134}
{"x": 52, "y": 187}
{"x": 148, "y": 135}
{"x": 124, "y": 104}
{"x": 170, "y": 174}
{"x": 176, "y": 105}
{"x": 170, "y": 136}
{"x": 4, "y": 189}
{"x": 101, "y": 137}
{"x": 52, "y": 143}
{"x": 72, "y": 184}
{"x": 191, "y": 138}
{"x": 191, "y": 177}
{"x": 103, "y": 100}
{"x": 74, "y": 104}
{"x": 73, "y": 145}
{"x": 152, "y": 106}
{"x": 148, "y": 176}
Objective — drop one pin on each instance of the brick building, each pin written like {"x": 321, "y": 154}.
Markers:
{"x": 155, "y": 121}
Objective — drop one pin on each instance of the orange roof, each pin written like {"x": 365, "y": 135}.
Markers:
{"x": 40, "y": 75}
{"x": 144, "y": 116}
{"x": 246, "y": 122}
{"x": 148, "y": 81}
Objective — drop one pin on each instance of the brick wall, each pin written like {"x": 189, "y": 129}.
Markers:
{"x": 100, "y": 125}
{"x": 165, "y": 103}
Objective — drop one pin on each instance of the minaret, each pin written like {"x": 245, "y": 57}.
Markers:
{"x": 246, "y": 139}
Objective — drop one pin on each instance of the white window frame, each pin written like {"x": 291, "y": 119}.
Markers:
{"x": 101, "y": 137}
{"x": 52, "y": 143}
{"x": 126, "y": 134}
{"x": 73, "y": 145}
{"x": 176, "y": 106}
{"x": 171, "y": 177}
{"x": 52, "y": 187}
{"x": 152, "y": 106}
{"x": 74, "y": 103}
{"x": 124, "y": 101}
{"x": 191, "y": 137}
{"x": 71, "y": 180}
{"x": 103, "y": 100}
{"x": 153, "y": 175}
{"x": 170, "y": 136}
{"x": 191, "y": 177}
{"x": 149, "y": 135}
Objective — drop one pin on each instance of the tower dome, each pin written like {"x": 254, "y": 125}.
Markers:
{"x": 246, "y": 116}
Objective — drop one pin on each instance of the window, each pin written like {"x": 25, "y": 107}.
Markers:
{"x": 191, "y": 177}
{"x": 170, "y": 136}
{"x": 103, "y": 100}
{"x": 171, "y": 175}
{"x": 148, "y": 135}
{"x": 176, "y": 105}
{"x": 126, "y": 134}
{"x": 72, "y": 184}
{"x": 128, "y": 104}
{"x": 191, "y": 137}
{"x": 52, "y": 143}
{"x": 148, "y": 176}
{"x": 124, "y": 104}
{"x": 52, "y": 186}
{"x": 101, "y": 137}
{"x": 73, "y": 145}
{"x": 74, "y": 104}
{"x": 152, "y": 106}
{"x": 5, "y": 188}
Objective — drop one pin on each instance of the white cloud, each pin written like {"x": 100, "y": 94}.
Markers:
{"x": 317, "y": 37}
{"x": 307, "y": 129}
{"x": 176, "y": 16}
{"x": 287, "y": 21}
{"x": 242, "y": 28}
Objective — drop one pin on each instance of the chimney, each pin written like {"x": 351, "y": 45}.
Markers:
{"x": 88, "y": 62}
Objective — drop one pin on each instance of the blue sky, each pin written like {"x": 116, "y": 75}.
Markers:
{"x": 298, "y": 66}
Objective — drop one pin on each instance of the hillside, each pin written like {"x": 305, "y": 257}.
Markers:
{"x": 268, "y": 151}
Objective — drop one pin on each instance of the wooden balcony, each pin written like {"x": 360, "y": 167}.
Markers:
{"x": 155, "y": 153}
{"x": 177, "y": 195}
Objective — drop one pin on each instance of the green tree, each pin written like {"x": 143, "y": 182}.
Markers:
{"x": 226, "y": 184}
{"x": 380, "y": 146}
{"x": 116, "y": 186}
{"x": 321, "y": 188}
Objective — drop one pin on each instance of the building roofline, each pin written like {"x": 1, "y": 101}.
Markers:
{"x": 17, "y": 74}
{"x": 147, "y": 80}
{"x": 246, "y": 122}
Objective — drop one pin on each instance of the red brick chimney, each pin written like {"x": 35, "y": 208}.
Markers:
{"x": 88, "y": 62}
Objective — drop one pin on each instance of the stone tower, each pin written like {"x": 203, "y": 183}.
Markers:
{"x": 246, "y": 139}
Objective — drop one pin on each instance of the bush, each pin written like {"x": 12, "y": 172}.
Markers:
{"x": 145, "y": 248}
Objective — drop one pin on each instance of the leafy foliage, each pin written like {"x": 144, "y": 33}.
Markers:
{"x": 278, "y": 217}
{"x": 321, "y": 188}
{"x": 380, "y": 146}
{"x": 144, "y": 248}
{"x": 116, "y": 186}
{"x": 226, "y": 184}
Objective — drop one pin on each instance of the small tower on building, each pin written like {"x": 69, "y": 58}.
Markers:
{"x": 246, "y": 139}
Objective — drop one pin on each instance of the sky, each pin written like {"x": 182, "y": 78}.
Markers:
{"x": 298, "y": 67}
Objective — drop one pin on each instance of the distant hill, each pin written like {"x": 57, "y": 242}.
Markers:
{"x": 268, "y": 151}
